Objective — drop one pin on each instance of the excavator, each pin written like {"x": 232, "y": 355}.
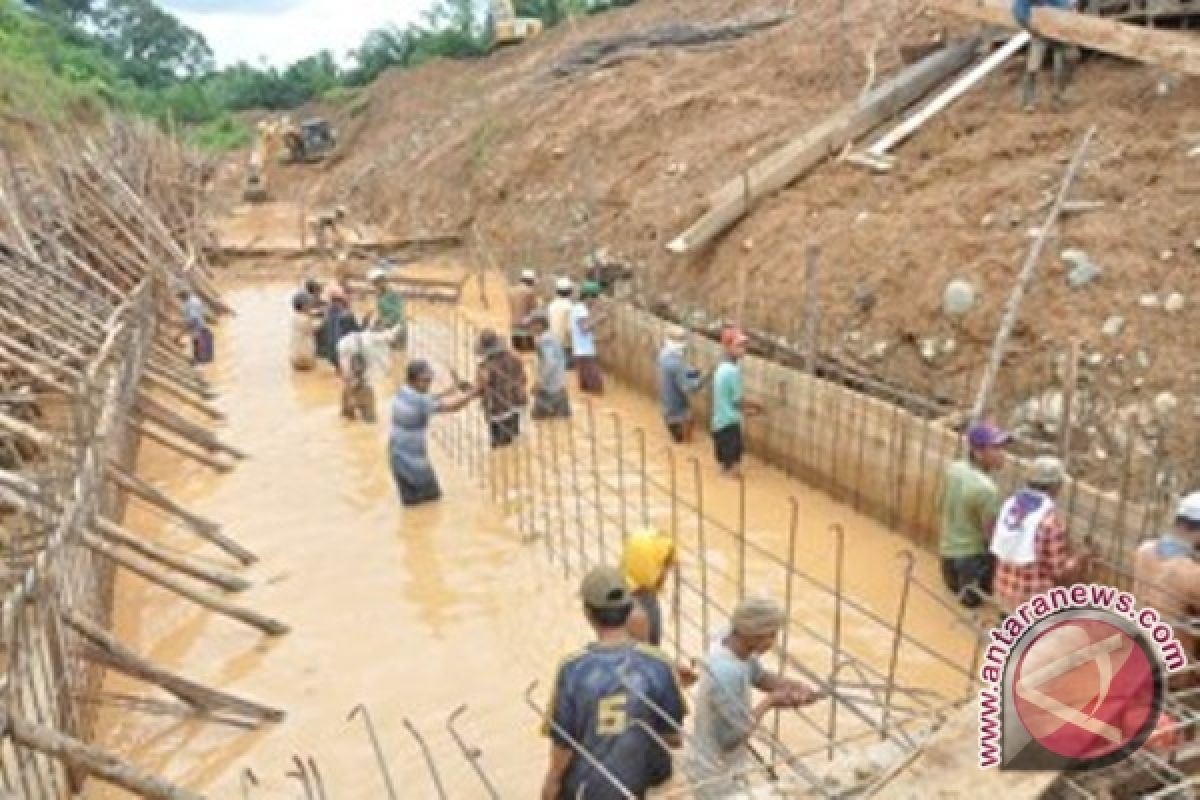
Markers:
{"x": 311, "y": 141}
{"x": 507, "y": 28}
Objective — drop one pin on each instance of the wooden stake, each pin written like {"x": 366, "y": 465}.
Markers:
{"x": 267, "y": 625}
{"x": 119, "y": 657}
{"x": 1070, "y": 380}
{"x": 92, "y": 761}
{"x": 126, "y": 538}
{"x": 1025, "y": 277}
{"x": 205, "y": 528}
{"x": 184, "y": 428}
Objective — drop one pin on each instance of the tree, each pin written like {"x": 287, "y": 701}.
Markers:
{"x": 154, "y": 48}
{"x": 74, "y": 11}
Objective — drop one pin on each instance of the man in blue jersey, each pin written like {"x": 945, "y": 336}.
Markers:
{"x": 595, "y": 708}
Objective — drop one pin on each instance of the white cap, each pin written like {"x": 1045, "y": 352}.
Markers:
{"x": 676, "y": 333}
{"x": 528, "y": 275}
{"x": 564, "y": 284}
{"x": 1046, "y": 471}
{"x": 375, "y": 274}
{"x": 1189, "y": 507}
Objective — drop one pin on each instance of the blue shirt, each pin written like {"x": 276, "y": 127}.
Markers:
{"x": 675, "y": 382}
{"x": 727, "y": 396}
{"x": 583, "y": 343}
{"x": 594, "y": 707}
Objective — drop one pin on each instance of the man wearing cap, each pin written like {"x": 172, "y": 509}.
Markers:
{"x": 1166, "y": 573}
{"x": 1030, "y": 539}
{"x": 969, "y": 503}
{"x": 550, "y": 392}
{"x": 728, "y": 403}
{"x": 522, "y": 300}
{"x": 339, "y": 321}
{"x": 559, "y": 314}
{"x": 501, "y": 383}
{"x": 585, "y": 320}
{"x": 677, "y": 381}
{"x": 389, "y": 309}
{"x": 594, "y": 706}
{"x": 717, "y": 755}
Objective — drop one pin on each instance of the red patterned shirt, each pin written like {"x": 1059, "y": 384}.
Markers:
{"x": 1017, "y": 583}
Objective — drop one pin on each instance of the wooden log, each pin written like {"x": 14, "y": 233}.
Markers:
{"x": 210, "y": 461}
{"x": 186, "y": 395}
{"x": 1168, "y": 49}
{"x": 89, "y": 760}
{"x": 800, "y": 155}
{"x": 119, "y": 657}
{"x": 269, "y": 626}
{"x": 1025, "y": 277}
{"x": 21, "y": 428}
{"x": 126, "y": 538}
{"x": 956, "y": 90}
{"x": 205, "y": 528}
{"x": 173, "y": 422}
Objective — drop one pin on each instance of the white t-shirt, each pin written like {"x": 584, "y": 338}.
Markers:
{"x": 583, "y": 342}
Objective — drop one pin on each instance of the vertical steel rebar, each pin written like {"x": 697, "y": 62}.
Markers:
{"x": 703, "y": 552}
{"x": 598, "y": 495}
{"x": 785, "y": 634}
{"x": 910, "y": 563}
{"x": 621, "y": 501}
{"x": 640, "y": 434}
{"x": 741, "y": 536}
{"x": 677, "y": 577}
{"x": 576, "y": 491}
{"x": 839, "y": 563}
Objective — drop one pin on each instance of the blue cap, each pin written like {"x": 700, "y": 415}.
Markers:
{"x": 983, "y": 434}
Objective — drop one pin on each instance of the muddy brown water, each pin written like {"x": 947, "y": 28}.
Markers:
{"x": 410, "y": 612}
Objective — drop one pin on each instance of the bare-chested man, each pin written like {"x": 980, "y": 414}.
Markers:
{"x": 1166, "y": 573}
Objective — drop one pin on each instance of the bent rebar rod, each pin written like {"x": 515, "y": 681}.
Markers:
{"x": 472, "y": 754}
{"x": 576, "y": 746}
{"x": 361, "y": 710}
{"x": 301, "y": 774}
{"x": 430, "y": 764}
{"x": 318, "y": 781}
{"x": 247, "y": 780}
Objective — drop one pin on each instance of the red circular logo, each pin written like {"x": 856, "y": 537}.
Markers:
{"x": 1084, "y": 689}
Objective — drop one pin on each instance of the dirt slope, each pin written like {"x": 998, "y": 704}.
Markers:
{"x": 542, "y": 170}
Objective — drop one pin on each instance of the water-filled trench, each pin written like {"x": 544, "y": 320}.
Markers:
{"x": 413, "y": 613}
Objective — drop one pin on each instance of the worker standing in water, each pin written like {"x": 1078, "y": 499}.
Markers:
{"x": 1166, "y": 575}
{"x": 647, "y": 560}
{"x": 550, "y": 398}
{"x": 339, "y": 321}
{"x": 306, "y": 321}
{"x": 501, "y": 382}
{"x": 729, "y": 407}
{"x": 559, "y": 314}
{"x": 389, "y": 309}
{"x": 591, "y": 708}
{"x": 677, "y": 381}
{"x": 522, "y": 300}
{"x": 413, "y": 408}
{"x": 585, "y": 321}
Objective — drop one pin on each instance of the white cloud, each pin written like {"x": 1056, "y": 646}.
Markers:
{"x": 283, "y": 31}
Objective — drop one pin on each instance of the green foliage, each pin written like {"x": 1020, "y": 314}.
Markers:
{"x": 223, "y": 133}
{"x": 60, "y": 57}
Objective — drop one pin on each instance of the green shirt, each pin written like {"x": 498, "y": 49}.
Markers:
{"x": 970, "y": 500}
{"x": 389, "y": 309}
{"x": 727, "y": 396}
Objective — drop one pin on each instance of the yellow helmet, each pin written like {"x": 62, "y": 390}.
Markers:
{"x": 646, "y": 556}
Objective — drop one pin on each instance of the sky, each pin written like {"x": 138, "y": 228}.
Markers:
{"x": 283, "y": 31}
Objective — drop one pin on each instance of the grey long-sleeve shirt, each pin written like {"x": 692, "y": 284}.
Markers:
{"x": 676, "y": 382}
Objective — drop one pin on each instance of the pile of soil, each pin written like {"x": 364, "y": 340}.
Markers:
{"x": 539, "y": 168}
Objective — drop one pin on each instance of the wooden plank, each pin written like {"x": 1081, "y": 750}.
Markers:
{"x": 956, "y": 90}
{"x": 1168, "y": 49}
{"x": 799, "y": 156}
{"x": 947, "y": 765}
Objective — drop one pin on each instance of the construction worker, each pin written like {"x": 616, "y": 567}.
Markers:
{"x": 677, "y": 381}
{"x": 969, "y": 504}
{"x": 389, "y": 309}
{"x": 412, "y": 410}
{"x": 306, "y": 321}
{"x": 1039, "y": 46}
{"x": 585, "y": 321}
{"x": 363, "y": 356}
{"x": 1030, "y": 539}
{"x": 196, "y": 329}
{"x": 327, "y": 229}
{"x": 728, "y": 405}
{"x": 501, "y": 383}
{"x": 339, "y": 320}
{"x": 559, "y": 314}
{"x": 1166, "y": 573}
{"x": 593, "y": 710}
{"x": 717, "y": 757}
{"x": 522, "y": 300}
{"x": 550, "y": 398}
